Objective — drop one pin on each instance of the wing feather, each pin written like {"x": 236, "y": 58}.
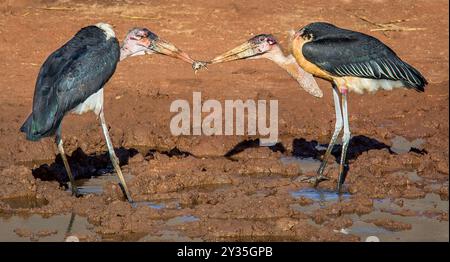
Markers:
{"x": 347, "y": 53}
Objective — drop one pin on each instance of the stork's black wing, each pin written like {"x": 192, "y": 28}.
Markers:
{"x": 68, "y": 77}
{"x": 343, "y": 52}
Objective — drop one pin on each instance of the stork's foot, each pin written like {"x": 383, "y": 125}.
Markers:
{"x": 126, "y": 193}
{"x": 315, "y": 180}
{"x": 74, "y": 190}
{"x": 198, "y": 65}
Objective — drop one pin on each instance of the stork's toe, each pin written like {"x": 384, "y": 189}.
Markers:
{"x": 314, "y": 180}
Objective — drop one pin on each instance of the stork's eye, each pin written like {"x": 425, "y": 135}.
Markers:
{"x": 136, "y": 37}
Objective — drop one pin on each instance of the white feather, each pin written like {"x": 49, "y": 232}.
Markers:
{"x": 93, "y": 103}
{"x": 360, "y": 85}
{"x": 108, "y": 29}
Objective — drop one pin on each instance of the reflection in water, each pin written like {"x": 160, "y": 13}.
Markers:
{"x": 319, "y": 195}
{"x": 148, "y": 204}
{"x": 401, "y": 145}
{"x": 305, "y": 165}
{"x": 181, "y": 220}
{"x": 19, "y": 228}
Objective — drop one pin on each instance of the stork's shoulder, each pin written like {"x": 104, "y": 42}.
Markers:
{"x": 348, "y": 43}
{"x": 94, "y": 36}
{"x": 90, "y": 41}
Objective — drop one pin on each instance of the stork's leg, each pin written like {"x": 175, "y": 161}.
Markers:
{"x": 337, "y": 129}
{"x": 114, "y": 159}
{"x": 345, "y": 141}
{"x": 59, "y": 143}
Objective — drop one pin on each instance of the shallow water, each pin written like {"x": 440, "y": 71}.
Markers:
{"x": 422, "y": 214}
{"x": 181, "y": 220}
{"x": 402, "y": 145}
{"x": 319, "y": 195}
{"x": 94, "y": 185}
{"x": 425, "y": 226}
{"x": 19, "y": 228}
{"x": 149, "y": 204}
{"x": 305, "y": 165}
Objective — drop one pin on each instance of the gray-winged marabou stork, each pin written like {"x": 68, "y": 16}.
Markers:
{"x": 72, "y": 80}
{"x": 349, "y": 60}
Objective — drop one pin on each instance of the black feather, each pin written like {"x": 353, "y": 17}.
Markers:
{"x": 68, "y": 77}
{"x": 343, "y": 52}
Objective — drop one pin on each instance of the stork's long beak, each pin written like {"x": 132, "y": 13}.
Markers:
{"x": 243, "y": 51}
{"x": 162, "y": 47}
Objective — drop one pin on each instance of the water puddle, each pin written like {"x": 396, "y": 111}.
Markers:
{"x": 365, "y": 230}
{"x": 318, "y": 195}
{"x": 37, "y": 228}
{"x": 410, "y": 175}
{"x": 401, "y": 145}
{"x": 149, "y": 204}
{"x": 305, "y": 165}
{"x": 424, "y": 226}
{"x": 95, "y": 184}
{"x": 424, "y": 216}
{"x": 181, "y": 220}
{"x": 431, "y": 203}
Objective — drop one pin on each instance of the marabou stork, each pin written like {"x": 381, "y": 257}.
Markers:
{"x": 72, "y": 80}
{"x": 349, "y": 60}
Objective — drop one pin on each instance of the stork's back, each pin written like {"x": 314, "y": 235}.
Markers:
{"x": 68, "y": 77}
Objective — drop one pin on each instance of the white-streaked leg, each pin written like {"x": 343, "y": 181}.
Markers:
{"x": 345, "y": 141}
{"x": 59, "y": 143}
{"x": 114, "y": 159}
{"x": 337, "y": 130}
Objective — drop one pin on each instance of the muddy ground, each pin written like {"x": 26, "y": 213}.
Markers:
{"x": 185, "y": 188}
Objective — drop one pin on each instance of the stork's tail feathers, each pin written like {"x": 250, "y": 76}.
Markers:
{"x": 26, "y": 128}
{"x": 32, "y": 132}
{"x": 414, "y": 78}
